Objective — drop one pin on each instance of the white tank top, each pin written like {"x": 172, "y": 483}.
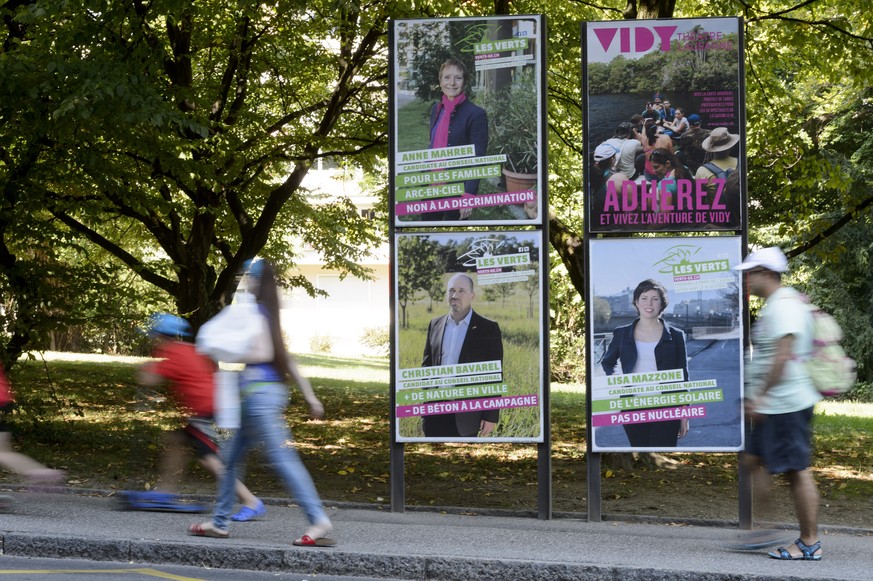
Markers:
{"x": 645, "y": 357}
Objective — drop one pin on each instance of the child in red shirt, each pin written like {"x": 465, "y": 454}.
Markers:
{"x": 191, "y": 379}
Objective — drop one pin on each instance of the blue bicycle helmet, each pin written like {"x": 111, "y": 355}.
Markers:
{"x": 169, "y": 325}
{"x": 254, "y": 267}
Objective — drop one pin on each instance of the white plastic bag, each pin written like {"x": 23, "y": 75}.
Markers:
{"x": 227, "y": 404}
{"x": 239, "y": 333}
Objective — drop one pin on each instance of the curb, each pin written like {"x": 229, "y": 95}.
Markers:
{"x": 216, "y": 555}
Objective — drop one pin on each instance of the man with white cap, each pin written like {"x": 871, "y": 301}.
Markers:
{"x": 604, "y": 171}
{"x": 604, "y": 152}
{"x": 779, "y": 399}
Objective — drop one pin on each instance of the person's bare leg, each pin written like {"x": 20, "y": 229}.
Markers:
{"x": 17, "y": 462}
{"x": 212, "y": 464}
{"x": 762, "y": 483}
{"x": 806, "y": 501}
{"x": 173, "y": 462}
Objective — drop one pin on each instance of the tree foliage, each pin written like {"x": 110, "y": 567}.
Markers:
{"x": 662, "y": 69}
{"x": 175, "y": 135}
{"x": 418, "y": 269}
{"x": 169, "y": 140}
{"x": 808, "y": 151}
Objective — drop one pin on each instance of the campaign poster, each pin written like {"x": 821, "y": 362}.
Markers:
{"x": 467, "y": 104}
{"x": 666, "y": 345}
{"x": 665, "y": 132}
{"x": 468, "y": 326}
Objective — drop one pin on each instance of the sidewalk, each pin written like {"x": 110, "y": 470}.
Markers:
{"x": 415, "y": 545}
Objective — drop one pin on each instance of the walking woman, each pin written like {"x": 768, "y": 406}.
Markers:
{"x": 264, "y": 397}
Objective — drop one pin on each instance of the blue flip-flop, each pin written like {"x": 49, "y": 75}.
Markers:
{"x": 246, "y": 514}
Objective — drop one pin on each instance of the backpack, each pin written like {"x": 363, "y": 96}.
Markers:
{"x": 831, "y": 370}
{"x": 719, "y": 173}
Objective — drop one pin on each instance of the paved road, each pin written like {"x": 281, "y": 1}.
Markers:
{"x": 36, "y": 569}
{"x": 416, "y": 545}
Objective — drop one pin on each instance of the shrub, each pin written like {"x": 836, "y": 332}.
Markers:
{"x": 377, "y": 338}
{"x": 321, "y": 343}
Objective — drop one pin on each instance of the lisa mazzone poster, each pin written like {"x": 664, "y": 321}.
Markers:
{"x": 665, "y": 331}
{"x": 468, "y": 349}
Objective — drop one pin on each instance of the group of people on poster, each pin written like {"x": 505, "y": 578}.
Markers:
{"x": 669, "y": 161}
{"x": 649, "y": 167}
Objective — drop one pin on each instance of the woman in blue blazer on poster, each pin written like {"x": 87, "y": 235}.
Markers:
{"x": 649, "y": 344}
{"x": 455, "y": 121}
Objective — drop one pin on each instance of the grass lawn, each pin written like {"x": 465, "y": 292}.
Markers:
{"x": 90, "y": 418}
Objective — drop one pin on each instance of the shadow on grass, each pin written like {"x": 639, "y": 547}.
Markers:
{"x": 333, "y": 362}
{"x": 116, "y": 442}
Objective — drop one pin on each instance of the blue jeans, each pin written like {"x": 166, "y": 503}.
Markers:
{"x": 262, "y": 422}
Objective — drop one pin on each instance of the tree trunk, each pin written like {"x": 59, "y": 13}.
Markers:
{"x": 569, "y": 246}
{"x": 648, "y": 9}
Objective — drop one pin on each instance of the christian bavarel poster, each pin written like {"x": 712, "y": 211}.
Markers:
{"x": 665, "y": 132}
{"x": 666, "y": 345}
{"x": 469, "y": 350}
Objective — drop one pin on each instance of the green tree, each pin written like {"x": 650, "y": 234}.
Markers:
{"x": 499, "y": 292}
{"x": 531, "y": 287}
{"x": 175, "y": 135}
{"x": 808, "y": 145}
{"x": 418, "y": 268}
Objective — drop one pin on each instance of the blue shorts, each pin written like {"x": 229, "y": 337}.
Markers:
{"x": 782, "y": 441}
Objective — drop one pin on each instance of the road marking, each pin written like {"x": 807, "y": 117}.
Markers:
{"x": 147, "y": 572}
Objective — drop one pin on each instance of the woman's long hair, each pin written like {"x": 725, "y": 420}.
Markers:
{"x": 267, "y": 294}
{"x": 651, "y": 132}
{"x": 665, "y": 156}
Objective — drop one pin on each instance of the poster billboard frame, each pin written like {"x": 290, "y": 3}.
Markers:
{"x": 593, "y": 467}
{"x": 507, "y": 67}
{"x": 497, "y": 260}
{"x": 703, "y": 320}
{"x": 685, "y": 200}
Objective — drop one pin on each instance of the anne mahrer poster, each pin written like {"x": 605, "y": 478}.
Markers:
{"x": 468, "y": 104}
{"x": 672, "y": 87}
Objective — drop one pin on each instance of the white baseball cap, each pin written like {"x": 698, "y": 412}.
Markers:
{"x": 770, "y": 258}
{"x": 604, "y": 151}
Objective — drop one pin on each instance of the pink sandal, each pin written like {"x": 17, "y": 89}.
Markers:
{"x": 307, "y": 541}
{"x": 207, "y": 529}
